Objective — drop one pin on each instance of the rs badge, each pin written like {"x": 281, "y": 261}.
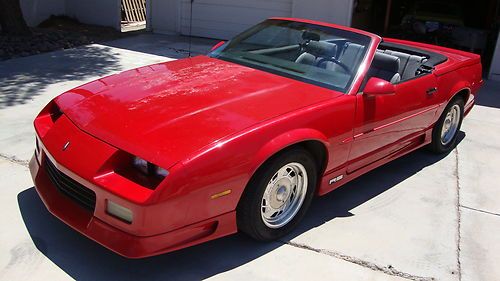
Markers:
{"x": 336, "y": 179}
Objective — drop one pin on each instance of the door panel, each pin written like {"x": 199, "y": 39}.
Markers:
{"x": 382, "y": 122}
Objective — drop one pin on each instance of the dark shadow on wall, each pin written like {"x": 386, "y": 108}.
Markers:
{"x": 23, "y": 79}
{"x": 83, "y": 259}
{"x": 489, "y": 95}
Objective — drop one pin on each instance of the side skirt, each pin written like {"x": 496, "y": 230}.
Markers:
{"x": 339, "y": 177}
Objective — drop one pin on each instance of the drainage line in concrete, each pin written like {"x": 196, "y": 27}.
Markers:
{"x": 459, "y": 217}
{"x": 14, "y": 160}
{"x": 389, "y": 270}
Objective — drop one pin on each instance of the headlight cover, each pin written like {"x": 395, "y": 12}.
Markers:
{"x": 148, "y": 168}
{"x": 136, "y": 170}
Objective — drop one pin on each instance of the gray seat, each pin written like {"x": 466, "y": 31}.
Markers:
{"x": 409, "y": 64}
{"x": 316, "y": 51}
{"x": 385, "y": 67}
{"x": 414, "y": 63}
{"x": 403, "y": 59}
{"x": 350, "y": 54}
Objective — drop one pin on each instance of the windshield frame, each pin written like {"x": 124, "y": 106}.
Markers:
{"x": 354, "y": 77}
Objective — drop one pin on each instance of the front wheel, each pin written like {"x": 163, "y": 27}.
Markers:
{"x": 278, "y": 195}
{"x": 445, "y": 132}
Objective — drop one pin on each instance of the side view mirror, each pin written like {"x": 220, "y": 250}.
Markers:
{"x": 377, "y": 86}
{"x": 217, "y": 45}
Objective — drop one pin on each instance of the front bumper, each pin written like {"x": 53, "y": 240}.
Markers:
{"x": 117, "y": 240}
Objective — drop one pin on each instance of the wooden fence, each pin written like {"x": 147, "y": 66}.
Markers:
{"x": 133, "y": 10}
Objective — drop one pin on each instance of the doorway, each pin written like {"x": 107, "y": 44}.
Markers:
{"x": 133, "y": 15}
{"x": 465, "y": 25}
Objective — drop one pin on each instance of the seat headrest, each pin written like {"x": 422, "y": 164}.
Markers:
{"x": 321, "y": 49}
{"x": 308, "y": 35}
{"x": 386, "y": 62}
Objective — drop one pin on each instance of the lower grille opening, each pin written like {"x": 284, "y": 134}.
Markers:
{"x": 69, "y": 187}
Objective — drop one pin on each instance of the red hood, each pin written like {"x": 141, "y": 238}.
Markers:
{"x": 167, "y": 111}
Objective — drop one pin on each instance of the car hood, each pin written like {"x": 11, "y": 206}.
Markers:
{"x": 167, "y": 111}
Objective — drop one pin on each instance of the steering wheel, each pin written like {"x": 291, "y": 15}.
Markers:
{"x": 303, "y": 45}
{"x": 337, "y": 62}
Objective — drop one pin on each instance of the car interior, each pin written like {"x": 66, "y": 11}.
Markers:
{"x": 392, "y": 65}
{"x": 333, "y": 60}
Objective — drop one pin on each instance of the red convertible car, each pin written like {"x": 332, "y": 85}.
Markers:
{"x": 173, "y": 154}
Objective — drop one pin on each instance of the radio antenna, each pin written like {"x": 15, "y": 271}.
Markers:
{"x": 190, "y": 27}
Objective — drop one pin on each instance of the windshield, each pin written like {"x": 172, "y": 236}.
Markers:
{"x": 319, "y": 55}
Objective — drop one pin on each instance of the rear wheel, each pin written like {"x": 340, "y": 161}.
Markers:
{"x": 278, "y": 195}
{"x": 445, "y": 132}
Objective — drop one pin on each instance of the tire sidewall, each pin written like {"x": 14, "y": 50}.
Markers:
{"x": 436, "y": 134}
{"x": 262, "y": 178}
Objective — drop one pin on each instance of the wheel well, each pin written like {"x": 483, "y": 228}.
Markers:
{"x": 316, "y": 148}
{"x": 464, "y": 94}
{"x": 318, "y": 151}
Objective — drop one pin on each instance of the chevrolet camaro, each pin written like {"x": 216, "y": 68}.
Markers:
{"x": 173, "y": 154}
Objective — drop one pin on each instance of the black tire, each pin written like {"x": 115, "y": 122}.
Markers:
{"x": 437, "y": 145}
{"x": 248, "y": 213}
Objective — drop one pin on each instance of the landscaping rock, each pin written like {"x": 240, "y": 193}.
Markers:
{"x": 54, "y": 34}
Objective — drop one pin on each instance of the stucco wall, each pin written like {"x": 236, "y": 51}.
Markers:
{"x": 333, "y": 11}
{"x": 494, "y": 73}
{"x": 99, "y": 12}
{"x": 36, "y": 11}
{"x": 166, "y": 14}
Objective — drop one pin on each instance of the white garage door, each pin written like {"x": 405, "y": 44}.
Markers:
{"x": 222, "y": 19}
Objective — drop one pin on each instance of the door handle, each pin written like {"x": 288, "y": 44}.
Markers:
{"x": 431, "y": 91}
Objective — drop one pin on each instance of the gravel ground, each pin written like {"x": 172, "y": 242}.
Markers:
{"x": 56, "y": 33}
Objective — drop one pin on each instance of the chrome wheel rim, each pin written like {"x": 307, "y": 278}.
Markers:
{"x": 450, "y": 125}
{"x": 284, "y": 195}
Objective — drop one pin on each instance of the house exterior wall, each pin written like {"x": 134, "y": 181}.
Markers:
{"x": 98, "y": 12}
{"x": 36, "y": 11}
{"x": 164, "y": 16}
{"x": 170, "y": 16}
{"x": 494, "y": 73}
{"x": 223, "y": 19}
{"x": 332, "y": 11}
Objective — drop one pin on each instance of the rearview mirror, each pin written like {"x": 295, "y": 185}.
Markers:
{"x": 217, "y": 45}
{"x": 377, "y": 86}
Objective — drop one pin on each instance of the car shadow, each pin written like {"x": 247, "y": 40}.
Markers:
{"x": 84, "y": 259}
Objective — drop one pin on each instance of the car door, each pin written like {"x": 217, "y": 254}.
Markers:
{"x": 386, "y": 123}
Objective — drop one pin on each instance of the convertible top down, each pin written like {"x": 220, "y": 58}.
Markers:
{"x": 173, "y": 154}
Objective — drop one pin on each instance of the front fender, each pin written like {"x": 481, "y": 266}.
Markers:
{"x": 285, "y": 140}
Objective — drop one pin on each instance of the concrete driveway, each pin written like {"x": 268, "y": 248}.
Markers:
{"x": 422, "y": 217}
